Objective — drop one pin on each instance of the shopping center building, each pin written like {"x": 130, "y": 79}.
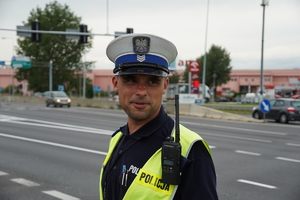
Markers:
{"x": 240, "y": 80}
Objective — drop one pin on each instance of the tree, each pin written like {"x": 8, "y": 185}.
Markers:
{"x": 64, "y": 54}
{"x": 217, "y": 62}
{"x": 174, "y": 78}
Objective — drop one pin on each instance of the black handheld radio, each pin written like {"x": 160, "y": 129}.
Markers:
{"x": 171, "y": 152}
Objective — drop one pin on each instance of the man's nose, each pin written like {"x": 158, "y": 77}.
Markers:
{"x": 142, "y": 89}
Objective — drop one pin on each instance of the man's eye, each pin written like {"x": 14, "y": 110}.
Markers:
{"x": 155, "y": 81}
{"x": 130, "y": 80}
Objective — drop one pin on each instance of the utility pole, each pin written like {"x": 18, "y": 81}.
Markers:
{"x": 50, "y": 75}
{"x": 264, "y": 4}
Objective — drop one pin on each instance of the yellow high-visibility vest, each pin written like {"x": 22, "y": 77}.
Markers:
{"x": 147, "y": 185}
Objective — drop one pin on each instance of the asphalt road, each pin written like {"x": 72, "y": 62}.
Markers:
{"x": 56, "y": 153}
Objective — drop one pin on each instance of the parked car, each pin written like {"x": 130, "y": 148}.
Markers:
{"x": 222, "y": 99}
{"x": 116, "y": 98}
{"x": 57, "y": 98}
{"x": 38, "y": 94}
{"x": 282, "y": 110}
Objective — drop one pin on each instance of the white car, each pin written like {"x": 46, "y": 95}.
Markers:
{"x": 57, "y": 98}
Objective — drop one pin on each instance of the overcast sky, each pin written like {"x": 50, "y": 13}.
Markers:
{"x": 235, "y": 25}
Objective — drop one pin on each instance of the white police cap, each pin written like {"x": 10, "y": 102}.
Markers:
{"x": 141, "y": 54}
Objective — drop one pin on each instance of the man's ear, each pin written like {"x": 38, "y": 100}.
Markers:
{"x": 114, "y": 81}
{"x": 166, "y": 84}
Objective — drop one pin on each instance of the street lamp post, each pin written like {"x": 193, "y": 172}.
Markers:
{"x": 215, "y": 90}
{"x": 264, "y": 4}
{"x": 84, "y": 78}
{"x": 204, "y": 62}
{"x": 11, "y": 89}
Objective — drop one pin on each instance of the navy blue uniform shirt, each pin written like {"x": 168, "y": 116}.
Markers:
{"x": 198, "y": 180}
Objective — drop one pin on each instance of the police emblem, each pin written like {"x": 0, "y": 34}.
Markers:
{"x": 141, "y": 44}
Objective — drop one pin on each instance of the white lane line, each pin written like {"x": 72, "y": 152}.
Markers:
{"x": 3, "y": 173}
{"x": 257, "y": 184}
{"x": 40, "y": 123}
{"x": 25, "y": 182}
{"x": 54, "y": 144}
{"x": 212, "y": 147}
{"x": 234, "y": 128}
{"x": 287, "y": 159}
{"x": 60, "y": 195}
{"x": 291, "y": 144}
{"x": 237, "y": 137}
{"x": 247, "y": 152}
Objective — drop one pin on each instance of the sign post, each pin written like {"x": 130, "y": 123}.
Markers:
{"x": 265, "y": 107}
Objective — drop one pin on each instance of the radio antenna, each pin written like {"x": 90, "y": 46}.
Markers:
{"x": 177, "y": 132}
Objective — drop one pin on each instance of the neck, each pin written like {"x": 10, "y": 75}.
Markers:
{"x": 134, "y": 125}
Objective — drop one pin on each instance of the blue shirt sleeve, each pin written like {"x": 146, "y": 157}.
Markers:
{"x": 198, "y": 180}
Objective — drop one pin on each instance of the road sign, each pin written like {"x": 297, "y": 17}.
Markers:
{"x": 72, "y": 37}
{"x": 1, "y": 89}
{"x": 23, "y": 34}
{"x": 183, "y": 89}
{"x": 198, "y": 101}
{"x": 61, "y": 88}
{"x": 265, "y": 106}
{"x": 96, "y": 89}
{"x": 20, "y": 62}
{"x": 2, "y": 62}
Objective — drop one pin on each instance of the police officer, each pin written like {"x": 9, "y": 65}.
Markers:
{"x": 132, "y": 168}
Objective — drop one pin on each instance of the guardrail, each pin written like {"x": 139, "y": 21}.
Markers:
{"x": 106, "y": 103}
{"x": 231, "y": 107}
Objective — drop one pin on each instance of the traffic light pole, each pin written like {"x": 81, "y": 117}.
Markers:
{"x": 58, "y": 32}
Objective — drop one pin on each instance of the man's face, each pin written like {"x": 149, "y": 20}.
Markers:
{"x": 140, "y": 96}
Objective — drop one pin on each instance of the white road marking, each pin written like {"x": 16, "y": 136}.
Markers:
{"x": 40, "y": 123}
{"x": 25, "y": 182}
{"x": 60, "y": 195}
{"x": 256, "y": 183}
{"x": 235, "y": 128}
{"x": 237, "y": 137}
{"x": 54, "y": 144}
{"x": 247, "y": 152}
{"x": 287, "y": 159}
{"x": 291, "y": 144}
{"x": 3, "y": 173}
{"x": 212, "y": 147}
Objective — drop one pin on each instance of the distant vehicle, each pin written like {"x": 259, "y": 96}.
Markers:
{"x": 292, "y": 92}
{"x": 38, "y": 94}
{"x": 252, "y": 98}
{"x": 282, "y": 110}
{"x": 116, "y": 98}
{"x": 57, "y": 98}
{"x": 207, "y": 94}
{"x": 222, "y": 99}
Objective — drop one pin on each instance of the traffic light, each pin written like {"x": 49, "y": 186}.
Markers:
{"x": 129, "y": 30}
{"x": 35, "y": 37}
{"x": 83, "y": 38}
